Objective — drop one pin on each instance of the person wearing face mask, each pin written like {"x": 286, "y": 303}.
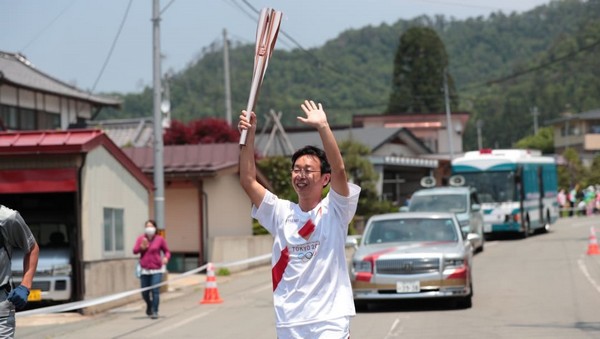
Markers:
{"x": 154, "y": 256}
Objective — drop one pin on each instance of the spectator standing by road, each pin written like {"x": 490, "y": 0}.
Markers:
{"x": 312, "y": 294}
{"x": 573, "y": 200}
{"x": 154, "y": 256}
{"x": 14, "y": 233}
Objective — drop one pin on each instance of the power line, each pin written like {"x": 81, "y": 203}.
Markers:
{"x": 112, "y": 47}
{"x": 535, "y": 68}
{"x": 312, "y": 55}
{"x": 43, "y": 30}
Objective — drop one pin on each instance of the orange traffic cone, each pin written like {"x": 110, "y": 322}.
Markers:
{"x": 593, "y": 244}
{"x": 211, "y": 293}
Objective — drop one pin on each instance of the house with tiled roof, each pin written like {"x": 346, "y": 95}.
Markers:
{"x": 207, "y": 213}
{"x": 33, "y": 100}
{"x": 580, "y": 131}
{"x": 79, "y": 184}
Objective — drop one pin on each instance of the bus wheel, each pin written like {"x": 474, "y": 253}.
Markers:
{"x": 527, "y": 229}
{"x": 546, "y": 227}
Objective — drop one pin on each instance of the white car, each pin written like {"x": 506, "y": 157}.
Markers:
{"x": 462, "y": 201}
{"x": 412, "y": 256}
{"x": 53, "y": 277}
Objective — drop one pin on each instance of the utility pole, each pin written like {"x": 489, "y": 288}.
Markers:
{"x": 449, "y": 127}
{"x": 479, "y": 126}
{"x": 227, "y": 82}
{"x": 159, "y": 181}
{"x": 535, "y": 113}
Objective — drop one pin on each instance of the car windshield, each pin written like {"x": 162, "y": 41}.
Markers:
{"x": 50, "y": 234}
{"x": 455, "y": 203}
{"x": 412, "y": 230}
{"x": 493, "y": 186}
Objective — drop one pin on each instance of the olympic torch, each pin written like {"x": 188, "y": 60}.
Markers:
{"x": 266, "y": 35}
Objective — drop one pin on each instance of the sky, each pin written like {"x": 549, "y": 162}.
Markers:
{"x": 72, "y": 40}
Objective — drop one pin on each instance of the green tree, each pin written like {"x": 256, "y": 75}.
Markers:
{"x": 593, "y": 175}
{"x": 277, "y": 172}
{"x": 418, "y": 80}
{"x": 572, "y": 171}
{"x": 361, "y": 172}
{"x": 543, "y": 141}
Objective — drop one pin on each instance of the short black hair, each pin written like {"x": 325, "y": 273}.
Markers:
{"x": 316, "y": 151}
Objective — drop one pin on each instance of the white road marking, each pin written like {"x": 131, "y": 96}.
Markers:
{"x": 587, "y": 275}
{"x": 179, "y": 324}
{"x": 394, "y": 332}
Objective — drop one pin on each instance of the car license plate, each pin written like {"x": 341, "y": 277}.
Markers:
{"x": 408, "y": 286}
{"x": 35, "y": 295}
{"x": 487, "y": 228}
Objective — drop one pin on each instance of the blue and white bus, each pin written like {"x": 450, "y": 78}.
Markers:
{"x": 517, "y": 188}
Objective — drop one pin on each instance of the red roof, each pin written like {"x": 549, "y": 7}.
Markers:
{"x": 188, "y": 158}
{"x": 67, "y": 142}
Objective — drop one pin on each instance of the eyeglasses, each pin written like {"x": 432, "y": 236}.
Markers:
{"x": 303, "y": 171}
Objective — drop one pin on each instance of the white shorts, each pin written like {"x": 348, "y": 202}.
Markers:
{"x": 338, "y": 328}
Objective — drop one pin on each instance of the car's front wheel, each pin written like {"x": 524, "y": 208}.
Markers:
{"x": 361, "y": 305}
{"x": 465, "y": 302}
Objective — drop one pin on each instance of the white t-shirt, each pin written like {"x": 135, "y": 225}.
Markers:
{"x": 309, "y": 270}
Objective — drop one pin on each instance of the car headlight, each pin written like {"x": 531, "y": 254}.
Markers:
{"x": 362, "y": 266}
{"x": 61, "y": 270}
{"x": 454, "y": 263}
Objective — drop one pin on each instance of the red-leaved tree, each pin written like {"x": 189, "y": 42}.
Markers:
{"x": 202, "y": 131}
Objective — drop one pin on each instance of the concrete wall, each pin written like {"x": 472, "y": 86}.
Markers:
{"x": 230, "y": 249}
{"x": 104, "y": 278}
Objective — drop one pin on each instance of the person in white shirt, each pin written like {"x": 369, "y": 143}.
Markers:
{"x": 312, "y": 294}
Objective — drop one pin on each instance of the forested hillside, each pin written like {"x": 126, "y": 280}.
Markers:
{"x": 502, "y": 66}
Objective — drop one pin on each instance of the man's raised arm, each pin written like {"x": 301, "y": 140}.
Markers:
{"x": 254, "y": 190}
{"x": 316, "y": 117}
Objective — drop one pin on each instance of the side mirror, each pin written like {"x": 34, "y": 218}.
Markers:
{"x": 352, "y": 241}
{"x": 473, "y": 237}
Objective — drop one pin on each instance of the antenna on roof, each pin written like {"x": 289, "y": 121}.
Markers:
{"x": 277, "y": 130}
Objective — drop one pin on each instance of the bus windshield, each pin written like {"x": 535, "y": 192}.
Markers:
{"x": 493, "y": 186}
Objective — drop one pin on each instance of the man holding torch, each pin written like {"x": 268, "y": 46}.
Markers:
{"x": 312, "y": 294}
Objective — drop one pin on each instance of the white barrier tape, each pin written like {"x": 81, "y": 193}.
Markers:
{"x": 101, "y": 300}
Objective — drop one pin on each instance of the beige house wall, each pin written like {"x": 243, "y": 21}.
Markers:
{"x": 106, "y": 183}
{"x": 397, "y": 150}
{"x": 182, "y": 217}
{"x": 228, "y": 207}
{"x": 592, "y": 142}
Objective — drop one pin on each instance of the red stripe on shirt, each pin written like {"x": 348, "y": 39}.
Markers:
{"x": 307, "y": 229}
{"x": 279, "y": 268}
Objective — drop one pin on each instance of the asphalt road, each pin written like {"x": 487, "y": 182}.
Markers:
{"x": 544, "y": 286}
